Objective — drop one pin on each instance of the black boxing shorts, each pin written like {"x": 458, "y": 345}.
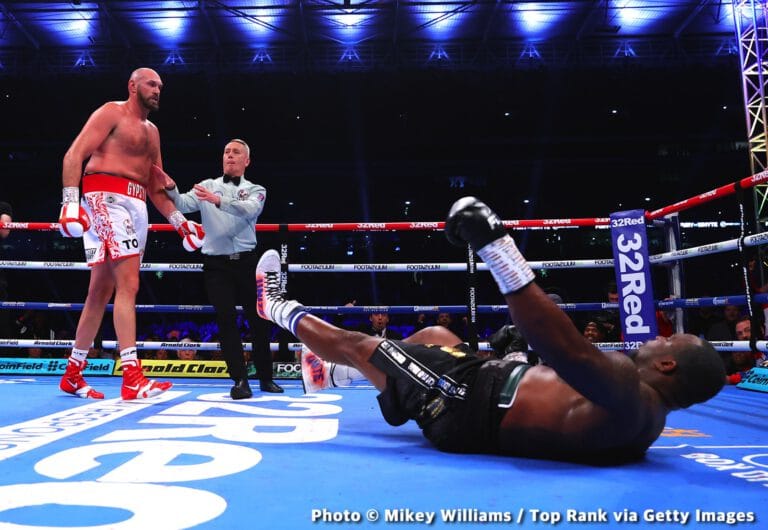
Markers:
{"x": 451, "y": 393}
{"x": 493, "y": 393}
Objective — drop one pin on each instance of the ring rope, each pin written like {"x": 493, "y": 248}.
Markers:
{"x": 736, "y": 345}
{"x": 145, "y": 345}
{"x": 682, "y": 303}
{"x": 316, "y": 267}
{"x": 400, "y": 226}
{"x": 702, "y": 198}
{"x": 686, "y": 253}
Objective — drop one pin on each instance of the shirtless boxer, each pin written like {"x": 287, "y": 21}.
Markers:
{"x": 582, "y": 405}
{"x": 120, "y": 145}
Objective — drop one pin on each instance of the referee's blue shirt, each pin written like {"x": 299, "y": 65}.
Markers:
{"x": 231, "y": 227}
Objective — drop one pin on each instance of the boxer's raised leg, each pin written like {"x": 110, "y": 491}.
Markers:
{"x": 332, "y": 344}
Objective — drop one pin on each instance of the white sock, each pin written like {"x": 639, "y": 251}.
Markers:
{"x": 288, "y": 313}
{"x": 344, "y": 375}
{"x": 128, "y": 354}
{"x": 78, "y": 355}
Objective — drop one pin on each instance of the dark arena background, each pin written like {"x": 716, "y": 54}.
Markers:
{"x": 371, "y": 112}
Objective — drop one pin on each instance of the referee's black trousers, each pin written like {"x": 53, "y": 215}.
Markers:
{"x": 229, "y": 283}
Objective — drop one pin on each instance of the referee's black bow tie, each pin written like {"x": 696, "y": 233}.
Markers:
{"x": 233, "y": 180}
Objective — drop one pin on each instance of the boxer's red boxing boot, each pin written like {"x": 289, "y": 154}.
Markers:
{"x": 136, "y": 386}
{"x": 73, "y": 383}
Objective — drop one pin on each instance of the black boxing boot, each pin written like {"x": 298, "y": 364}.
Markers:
{"x": 472, "y": 221}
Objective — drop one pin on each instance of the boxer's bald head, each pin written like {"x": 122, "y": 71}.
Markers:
{"x": 145, "y": 85}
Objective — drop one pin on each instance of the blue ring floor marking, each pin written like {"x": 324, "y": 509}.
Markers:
{"x": 713, "y": 457}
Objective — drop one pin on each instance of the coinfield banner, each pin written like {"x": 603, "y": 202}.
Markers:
{"x": 756, "y": 379}
{"x": 32, "y": 366}
{"x": 633, "y": 277}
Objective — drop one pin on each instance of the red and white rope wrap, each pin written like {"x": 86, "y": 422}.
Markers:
{"x": 355, "y": 227}
{"x": 728, "y": 189}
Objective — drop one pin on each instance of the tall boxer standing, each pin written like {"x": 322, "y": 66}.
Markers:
{"x": 118, "y": 146}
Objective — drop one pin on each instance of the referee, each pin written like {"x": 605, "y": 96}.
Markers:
{"x": 229, "y": 207}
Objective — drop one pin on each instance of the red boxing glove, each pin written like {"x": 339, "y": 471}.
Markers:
{"x": 73, "y": 219}
{"x": 192, "y": 234}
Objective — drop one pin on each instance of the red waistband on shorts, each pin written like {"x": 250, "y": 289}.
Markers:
{"x": 113, "y": 184}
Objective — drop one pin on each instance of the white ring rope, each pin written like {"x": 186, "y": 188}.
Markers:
{"x": 682, "y": 303}
{"x": 702, "y": 250}
{"x": 142, "y": 345}
{"x": 735, "y": 345}
{"x": 314, "y": 267}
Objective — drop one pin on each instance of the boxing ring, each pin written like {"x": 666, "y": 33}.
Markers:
{"x": 193, "y": 458}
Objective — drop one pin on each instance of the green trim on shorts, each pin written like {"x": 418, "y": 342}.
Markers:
{"x": 509, "y": 390}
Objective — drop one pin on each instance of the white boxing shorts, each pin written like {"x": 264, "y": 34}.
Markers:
{"x": 117, "y": 207}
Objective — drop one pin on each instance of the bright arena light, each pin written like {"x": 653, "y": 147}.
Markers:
{"x": 351, "y": 25}
{"x": 633, "y": 17}
{"x": 439, "y": 20}
{"x": 535, "y": 19}
{"x": 258, "y": 23}
{"x": 167, "y": 25}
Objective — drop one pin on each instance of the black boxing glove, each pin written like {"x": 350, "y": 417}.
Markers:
{"x": 472, "y": 221}
{"x": 507, "y": 339}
